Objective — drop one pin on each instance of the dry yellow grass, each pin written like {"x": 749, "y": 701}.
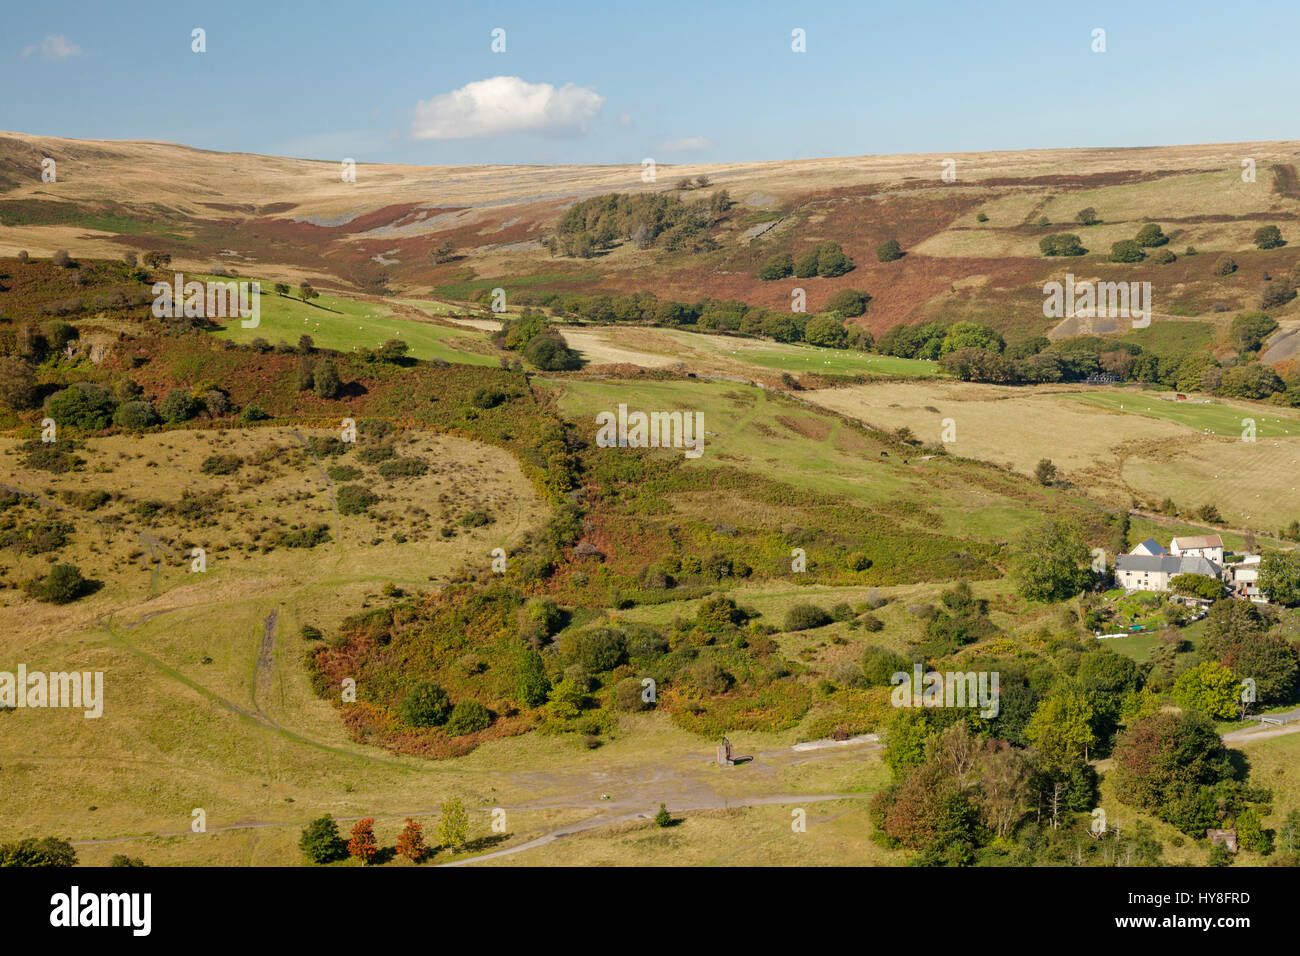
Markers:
{"x": 184, "y": 178}
{"x": 258, "y": 503}
{"x": 1106, "y": 452}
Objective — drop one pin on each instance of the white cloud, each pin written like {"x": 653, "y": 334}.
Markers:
{"x": 685, "y": 145}
{"x": 54, "y": 47}
{"x": 505, "y": 104}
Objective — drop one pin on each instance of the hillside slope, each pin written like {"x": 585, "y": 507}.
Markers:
{"x": 296, "y": 219}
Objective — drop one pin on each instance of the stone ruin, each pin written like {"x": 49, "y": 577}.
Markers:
{"x": 1227, "y": 837}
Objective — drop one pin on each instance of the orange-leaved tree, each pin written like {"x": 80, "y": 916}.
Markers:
{"x": 363, "y": 845}
{"x": 410, "y": 843}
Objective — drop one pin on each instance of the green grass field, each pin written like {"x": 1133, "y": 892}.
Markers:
{"x": 1171, "y": 338}
{"x": 345, "y": 324}
{"x": 808, "y": 448}
{"x": 1219, "y": 417}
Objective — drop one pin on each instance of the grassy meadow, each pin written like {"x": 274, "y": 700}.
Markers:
{"x": 346, "y": 324}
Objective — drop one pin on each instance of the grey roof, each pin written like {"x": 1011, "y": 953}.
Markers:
{"x": 1152, "y": 545}
{"x": 1148, "y": 562}
{"x": 1167, "y": 564}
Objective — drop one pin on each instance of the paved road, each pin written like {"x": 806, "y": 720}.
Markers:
{"x": 1260, "y": 732}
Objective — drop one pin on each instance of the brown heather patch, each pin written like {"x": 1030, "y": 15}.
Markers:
{"x": 370, "y": 724}
{"x": 818, "y": 429}
{"x": 1118, "y": 177}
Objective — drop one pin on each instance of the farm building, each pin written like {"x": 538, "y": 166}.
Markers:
{"x": 1151, "y": 548}
{"x": 1208, "y": 546}
{"x": 1243, "y": 577}
{"x": 1153, "y": 572}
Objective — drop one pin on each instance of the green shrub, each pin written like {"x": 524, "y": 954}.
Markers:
{"x": 1061, "y": 244}
{"x": 718, "y": 613}
{"x": 355, "y": 499}
{"x": 550, "y": 353}
{"x": 320, "y": 841}
{"x": 778, "y": 267}
{"x": 644, "y": 643}
{"x": 221, "y": 464}
{"x": 805, "y": 267}
{"x": 628, "y": 696}
{"x": 831, "y": 261}
{"x": 1225, "y": 266}
{"x": 1268, "y": 237}
{"x": 533, "y": 686}
{"x": 803, "y": 617}
{"x": 376, "y": 428}
{"x": 475, "y": 518}
{"x": 137, "y": 414}
{"x": 403, "y": 468}
{"x": 879, "y": 664}
{"x": 711, "y": 678}
{"x": 343, "y": 473}
{"x": 849, "y": 302}
{"x": 1126, "y": 250}
{"x": 1151, "y": 235}
{"x": 468, "y": 717}
{"x": 38, "y": 537}
{"x": 178, "y": 406}
{"x": 427, "y": 705}
{"x": 305, "y": 537}
{"x": 325, "y": 379}
{"x": 485, "y": 398}
{"x": 543, "y": 616}
{"x": 42, "y": 852}
{"x": 325, "y": 446}
{"x": 889, "y": 250}
{"x": 253, "y": 413}
{"x": 373, "y": 454}
{"x": 40, "y": 456}
{"x": 598, "y": 649}
{"x": 83, "y": 405}
{"x": 826, "y": 331}
{"x": 63, "y": 585}
{"x": 87, "y": 500}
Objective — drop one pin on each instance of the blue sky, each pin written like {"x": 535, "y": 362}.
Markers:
{"x": 679, "y": 82}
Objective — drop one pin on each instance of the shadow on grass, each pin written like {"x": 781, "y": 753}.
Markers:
{"x": 484, "y": 843}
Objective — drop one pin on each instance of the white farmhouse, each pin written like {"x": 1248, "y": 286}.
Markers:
{"x": 1209, "y": 546}
{"x": 1153, "y": 572}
